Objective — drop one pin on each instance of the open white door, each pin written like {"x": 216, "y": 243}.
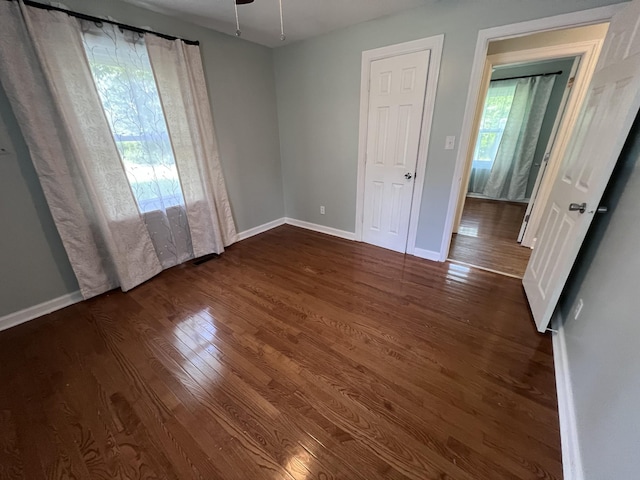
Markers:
{"x": 606, "y": 117}
{"x": 547, "y": 154}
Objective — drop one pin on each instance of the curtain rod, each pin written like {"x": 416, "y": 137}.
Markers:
{"x": 559, "y": 72}
{"x": 91, "y": 18}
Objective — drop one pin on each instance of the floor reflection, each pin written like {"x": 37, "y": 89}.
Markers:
{"x": 298, "y": 464}
{"x": 458, "y": 272}
{"x": 468, "y": 230}
{"x": 196, "y": 338}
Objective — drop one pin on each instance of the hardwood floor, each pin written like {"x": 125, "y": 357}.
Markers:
{"x": 293, "y": 356}
{"x": 488, "y": 236}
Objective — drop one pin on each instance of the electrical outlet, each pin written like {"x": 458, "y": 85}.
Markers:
{"x": 321, "y": 209}
{"x": 578, "y": 309}
{"x": 450, "y": 143}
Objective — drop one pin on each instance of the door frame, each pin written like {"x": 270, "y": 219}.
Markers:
{"x": 434, "y": 44}
{"x": 558, "y": 22}
{"x": 588, "y": 51}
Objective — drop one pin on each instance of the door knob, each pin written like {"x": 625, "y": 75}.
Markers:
{"x": 408, "y": 176}
{"x": 578, "y": 207}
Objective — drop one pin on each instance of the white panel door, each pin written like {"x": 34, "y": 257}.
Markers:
{"x": 597, "y": 140}
{"x": 396, "y": 102}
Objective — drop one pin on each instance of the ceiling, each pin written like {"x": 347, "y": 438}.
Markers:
{"x": 260, "y": 21}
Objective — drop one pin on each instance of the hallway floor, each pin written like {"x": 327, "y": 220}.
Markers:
{"x": 488, "y": 235}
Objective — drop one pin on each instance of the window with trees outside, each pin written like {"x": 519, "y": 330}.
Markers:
{"x": 127, "y": 88}
{"x": 494, "y": 119}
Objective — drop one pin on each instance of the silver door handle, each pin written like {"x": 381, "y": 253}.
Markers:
{"x": 408, "y": 176}
{"x": 578, "y": 207}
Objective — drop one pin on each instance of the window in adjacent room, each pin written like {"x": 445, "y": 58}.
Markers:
{"x": 494, "y": 119}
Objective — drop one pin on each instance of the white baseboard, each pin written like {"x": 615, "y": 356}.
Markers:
{"x": 571, "y": 458}
{"x": 260, "y": 229}
{"x": 321, "y": 228}
{"x": 484, "y": 197}
{"x": 36, "y": 311}
{"x": 16, "y": 318}
{"x": 427, "y": 254}
{"x": 296, "y": 223}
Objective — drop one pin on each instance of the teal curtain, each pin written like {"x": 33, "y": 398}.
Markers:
{"x": 510, "y": 171}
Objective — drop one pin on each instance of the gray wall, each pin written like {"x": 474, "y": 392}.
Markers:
{"x": 318, "y": 85}
{"x": 315, "y": 118}
{"x": 603, "y": 343}
{"x": 563, "y": 65}
{"x": 33, "y": 265}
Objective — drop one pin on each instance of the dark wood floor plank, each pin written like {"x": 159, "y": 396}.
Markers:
{"x": 109, "y": 446}
{"x": 294, "y": 355}
{"x": 10, "y": 460}
{"x": 282, "y": 439}
{"x": 13, "y": 401}
{"x": 311, "y": 425}
{"x": 488, "y": 236}
{"x": 43, "y": 429}
{"x": 402, "y": 363}
{"x": 183, "y": 392}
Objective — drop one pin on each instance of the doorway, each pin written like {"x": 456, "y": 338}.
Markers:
{"x": 533, "y": 88}
{"x": 396, "y": 106}
{"x": 521, "y": 109}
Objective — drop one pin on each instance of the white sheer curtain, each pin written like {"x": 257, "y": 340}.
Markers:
{"x": 492, "y": 124}
{"x": 124, "y": 79}
{"x": 180, "y": 78}
{"x": 110, "y": 177}
{"x": 46, "y": 77}
{"x": 510, "y": 171}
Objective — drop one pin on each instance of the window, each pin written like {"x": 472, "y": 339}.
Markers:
{"x": 127, "y": 88}
{"x": 494, "y": 119}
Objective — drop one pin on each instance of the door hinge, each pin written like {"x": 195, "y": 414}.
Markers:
{"x": 570, "y": 82}
{"x": 546, "y": 157}
{"x": 527, "y": 217}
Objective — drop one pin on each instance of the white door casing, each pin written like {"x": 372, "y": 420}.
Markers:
{"x": 605, "y": 120}
{"x": 396, "y": 100}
